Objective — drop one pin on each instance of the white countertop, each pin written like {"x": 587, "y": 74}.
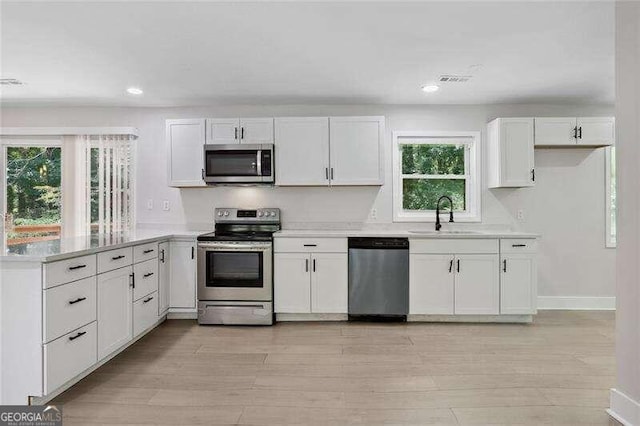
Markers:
{"x": 401, "y": 233}
{"x": 64, "y": 248}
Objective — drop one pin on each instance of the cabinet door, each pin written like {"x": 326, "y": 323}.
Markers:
{"x": 329, "y": 283}
{"x": 516, "y": 139}
{"x": 302, "y": 151}
{"x": 518, "y": 284}
{"x": 182, "y": 292}
{"x": 431, "y": 284}
{"x": 223, "y": 130}
{"x": 552, "y": 131}
{"x": 292, "y": 283}
{"x": 115, "y": 304}
{"x": 256, "y": 130}
{"x": 355, "y": 147}
{"x": 596, "y": 131}
{"x": 164, "y": 278}
{"x": 186, "y": 152}
{"x": 477, "y": 284}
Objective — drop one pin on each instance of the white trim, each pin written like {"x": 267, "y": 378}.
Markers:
{"x": 67, "y": 131}
{"x": 609, "y": 242}
{"x": 623, "y": 408}
{"x": 578, "y": 303}
{"x": 473, "y": 179}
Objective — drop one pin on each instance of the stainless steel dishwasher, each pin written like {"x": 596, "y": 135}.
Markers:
{"x": 378, "y": 278}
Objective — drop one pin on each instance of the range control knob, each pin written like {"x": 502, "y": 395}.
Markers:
{"x": 226, "y": 213}
{"x": 219, "y": 213}
{"x": 260, "y": 214}
{"x": 272, "y": 214}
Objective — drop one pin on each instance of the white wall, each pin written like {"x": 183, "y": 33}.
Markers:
{"x": 566, "y": 206}
{"x": 625, "y": 398}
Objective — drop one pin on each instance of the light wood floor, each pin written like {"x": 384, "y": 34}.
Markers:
{"x": 556, "y": 371}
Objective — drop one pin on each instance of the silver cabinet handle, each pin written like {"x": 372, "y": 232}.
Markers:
{"x": 306, "y": 265}
{"x": 326, "y": 173}
{"x": 504, "y": 265}
{"x": 332, "y": 173}
{"x": 314, "y": 265}
{"x": 450, "y": 265}
{"x": 458, "y": 266}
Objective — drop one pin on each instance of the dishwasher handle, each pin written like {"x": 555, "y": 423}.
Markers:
{"x": 379, "y": 243}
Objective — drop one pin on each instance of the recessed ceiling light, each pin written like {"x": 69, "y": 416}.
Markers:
{"x": 430, "y": 88}
{"x": 134, "y": 91}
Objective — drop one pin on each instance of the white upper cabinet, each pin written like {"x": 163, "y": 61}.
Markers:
{"x": 302, "y": 151}
{"x": 511, "y": 158}
{"x": 572, "y": 131}
{"x": 223, "y": 130}
{"x": 185, "y": 141}
{"x": 355, "y": 150}
{"x": 596, "y": 131}
{"x": 256, "y": 130}
{"x": 239, "y": 130}
{"x": 555, "y": 131}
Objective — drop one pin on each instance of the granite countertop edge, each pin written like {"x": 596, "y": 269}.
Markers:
{"x": 309, "y": 233}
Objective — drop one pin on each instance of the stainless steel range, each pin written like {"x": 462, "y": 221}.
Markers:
{"x": 235, "y": 268}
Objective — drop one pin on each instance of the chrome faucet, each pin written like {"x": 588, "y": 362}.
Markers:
{"x": 438, "y": 225}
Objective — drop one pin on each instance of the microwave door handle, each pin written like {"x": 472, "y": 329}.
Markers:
{"x": 259, "y": 162}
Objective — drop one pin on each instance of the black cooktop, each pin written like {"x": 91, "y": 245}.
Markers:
{"x": 236, "y": 236}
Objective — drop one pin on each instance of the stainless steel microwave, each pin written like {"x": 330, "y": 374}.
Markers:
{"x": 238, "y": 163}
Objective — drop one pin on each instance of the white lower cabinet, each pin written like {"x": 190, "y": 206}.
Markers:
{"x": 477, "y": 284}
{"x": 164, "y": 277}
{"x": 447, "y": 284}
{"x": 329, "y": 283}
{"x": 292, "y": 291}
{"x": 311, "y": 283}
{"x": 517, "y": 284}
{"x": 115, "y": 320}
{"x": 182, "y": 292}
{"x": 146, "y": 278}
{"x": 69, "y": 355}
{"x": 431, "y": 284}
{"x": 68, "y": 307}
{"x": 145, "y": 313}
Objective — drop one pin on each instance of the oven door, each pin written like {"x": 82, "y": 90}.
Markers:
{"x": 235, "y": 271}
{"x": 238, "y": 163}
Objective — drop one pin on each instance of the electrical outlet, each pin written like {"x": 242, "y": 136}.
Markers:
{"x": 520, "y": 215}
{"x": 374, "y": 213}
{"x": 149, "y": 204}
{"x": 165, "y": 205}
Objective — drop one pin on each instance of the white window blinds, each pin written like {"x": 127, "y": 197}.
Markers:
{"x": 108, "y": 182}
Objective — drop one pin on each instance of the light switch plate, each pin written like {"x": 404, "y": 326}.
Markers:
{"x": 165, "y": 205}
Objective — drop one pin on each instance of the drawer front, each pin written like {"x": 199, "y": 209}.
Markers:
{"x": 66, "y": 271}
{"x": 68, "y": 307}
{"x": 145, "y": 252}
{"x": 145, "y": 313}
{"x": 523, "y": 245}
{"x": 69, "y": 356}
{"x": 310, "y": 245}
{"x": 146, "y": 278}
{"x": 114, "y": 259}
{"x": 453, "y": 246}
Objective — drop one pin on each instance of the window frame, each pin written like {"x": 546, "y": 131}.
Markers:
{"x": 609, "y": 241}
{"x": 17, "y": 142}
{"x": 473, "y": 183}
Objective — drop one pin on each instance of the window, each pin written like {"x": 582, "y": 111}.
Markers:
{"x": 65, "y": 186}
{"x": 610, "y": 191}
{"x": 428, "y": 165}
{"x": 33, "y": 193}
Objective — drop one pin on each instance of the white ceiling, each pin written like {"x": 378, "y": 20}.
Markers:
{"x": 195, "y": 53}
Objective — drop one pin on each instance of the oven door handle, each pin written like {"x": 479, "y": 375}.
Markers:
{"x": 235, "y": 247}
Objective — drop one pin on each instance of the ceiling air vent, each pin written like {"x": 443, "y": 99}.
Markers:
{"x": 454, "y": 78}
{"x": 10, "y": 82}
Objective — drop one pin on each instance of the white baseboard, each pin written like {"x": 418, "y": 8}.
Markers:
{"x": 578, "y": 303}
{"x": 624, "y": 409}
